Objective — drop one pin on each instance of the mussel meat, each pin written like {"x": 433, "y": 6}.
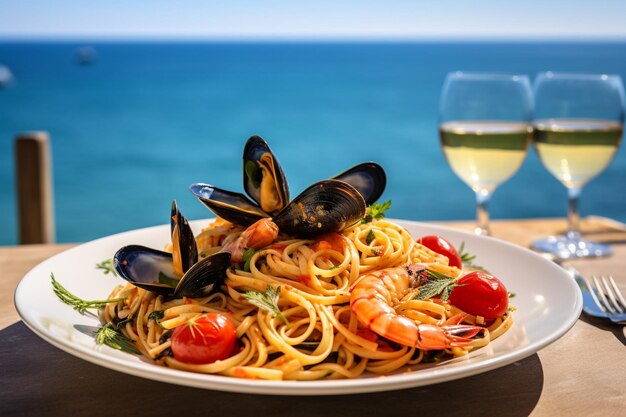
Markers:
{"x": 184, "y": 248}
{"x": 263, "y": 177}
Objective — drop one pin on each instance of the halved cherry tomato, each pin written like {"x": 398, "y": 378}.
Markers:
{"x": 443, "y": 247}
{"x": 480, "y": 294}
{"x": 206, "y": 339}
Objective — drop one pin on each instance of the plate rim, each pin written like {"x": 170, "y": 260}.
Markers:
{"x": 320, "y": 387}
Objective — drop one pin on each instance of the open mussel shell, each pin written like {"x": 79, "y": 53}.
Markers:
{"x": 234, "y": 207}
{"x": 153, "y": 270}
{"x": 326, "y": 206}
{"x": 146, "y": 268}
{"x": 368, "y": 178}
{"x": 184, "y": 248}
{"x": 263, "y": 177}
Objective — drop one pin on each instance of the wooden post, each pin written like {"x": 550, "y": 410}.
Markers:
{"x": 33, "y": 172}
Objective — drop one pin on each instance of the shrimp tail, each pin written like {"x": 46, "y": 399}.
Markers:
{"x": 456, "y": 319}
{"x": 462, "y": 334}
{"x": 431, "y": 337}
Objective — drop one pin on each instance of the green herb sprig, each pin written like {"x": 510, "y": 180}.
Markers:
{"x": 468, "y": 260}
{"x": 107, "y": 267}
{"x": 107, "y": 335}
{"x": 376, "y": 211}
{"x": 247, "y": 257}
{"x": 156, "y": 315}
{"x": 267, "y": 301}
{"x": 465, "y": 257}
{"x": 78, "y": 303}
{"x": 436, "y": 283}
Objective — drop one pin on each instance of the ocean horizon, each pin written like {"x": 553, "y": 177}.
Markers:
{"x": 130, "y": 132}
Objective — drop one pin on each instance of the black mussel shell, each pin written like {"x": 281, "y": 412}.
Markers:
{"x": 153, "y": 270}
{"x": 146, "y": 268}
{"x": 326, "y": 206}
{"x": 234, "y": 207}
{"x": 183, "y": 240}
{"x": 204, "y": 277}
{"x": 368, "y": 178}
{"x": 263, "y": 177}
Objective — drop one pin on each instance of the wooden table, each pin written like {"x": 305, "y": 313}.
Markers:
{"x": 581, "y": 374}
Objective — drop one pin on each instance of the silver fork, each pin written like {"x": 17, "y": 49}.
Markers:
{"x": 608, "y": 297}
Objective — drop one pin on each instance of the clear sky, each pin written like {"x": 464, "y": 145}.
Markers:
{"x": 321, "y": 19}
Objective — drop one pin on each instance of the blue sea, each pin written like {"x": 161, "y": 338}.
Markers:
{"x": 131, "y": 131}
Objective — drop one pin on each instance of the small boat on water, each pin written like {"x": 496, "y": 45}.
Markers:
{"x": 85, "y": 55}
{"x": 6, "y": 76}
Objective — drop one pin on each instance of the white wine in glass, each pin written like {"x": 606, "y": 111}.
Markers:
{"x": 485, "y": 131}
{"x": 576, "y": 150}
{"x": 578, "y": 126}
{"x": 484, "y": 154}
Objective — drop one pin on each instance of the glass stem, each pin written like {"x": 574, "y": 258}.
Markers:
{"x": 573, "y": 216}
{"x": 482, "y": 212}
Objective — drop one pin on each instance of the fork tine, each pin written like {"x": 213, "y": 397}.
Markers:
{"x": 608, "y": 292}
{"x": 593, "y": 291}
{"x": 601, "y": 294}
{"x": 618, "y": 295}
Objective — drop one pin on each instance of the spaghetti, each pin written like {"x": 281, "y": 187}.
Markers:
{"x": 320, "y": 332}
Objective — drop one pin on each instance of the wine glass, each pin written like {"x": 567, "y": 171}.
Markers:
{"x": 578, "y": 123}
{"x": 485, "y": 131}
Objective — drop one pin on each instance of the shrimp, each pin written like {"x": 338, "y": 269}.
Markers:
{"x": 257, "y": 236}
{"x": 371, "y": 300}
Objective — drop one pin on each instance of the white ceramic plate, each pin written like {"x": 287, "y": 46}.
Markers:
{"x": 548, "y": 303}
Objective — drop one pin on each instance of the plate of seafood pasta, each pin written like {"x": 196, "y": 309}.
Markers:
{"x": 377, "y": 305}
{"x": 311, "y": 295}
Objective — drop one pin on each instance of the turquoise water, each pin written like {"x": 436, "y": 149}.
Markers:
{"x": 132, "y": 131}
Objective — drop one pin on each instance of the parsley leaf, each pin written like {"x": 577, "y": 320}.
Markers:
{"x": 247, "y": 257}
{"x": 370, "y": 237}
{"x": 436, "y": 283}
{"x": 267, "y": 301}
{"x": 376, "y": 211}
{"x": 107, "y": 266}
{"x": 107, "y": 335}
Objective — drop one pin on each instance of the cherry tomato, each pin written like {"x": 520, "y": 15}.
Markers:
{"x": 206, "y": 339}
{"x": 443, "y": 247}
{"x": 480, "y": 294}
